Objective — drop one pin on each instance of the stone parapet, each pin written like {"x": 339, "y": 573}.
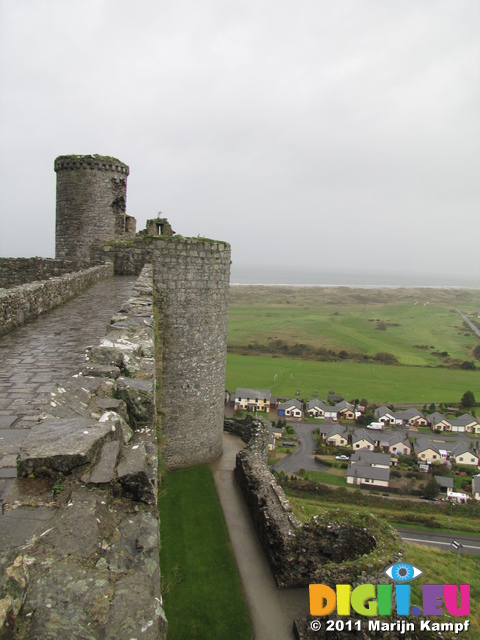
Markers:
{"x": 26, "y": 302}
{"x": 16, "y": 271}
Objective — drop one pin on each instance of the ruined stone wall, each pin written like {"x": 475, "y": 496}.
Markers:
{"x": 15, "y": 271}
{"x": 91, "y": 204}
{"x": 26, "y": 302}
{"x": 326, "y": 549}
{"x": 191, "y": 279}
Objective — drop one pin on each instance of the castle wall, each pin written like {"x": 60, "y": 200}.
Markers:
{"x": 91, "y": 204}
{"x": 191, "y": 279}
{"x": 15, "y": 271}
{"x": 26, "y": 302}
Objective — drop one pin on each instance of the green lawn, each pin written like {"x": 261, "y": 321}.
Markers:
{"x": 377, "y": 383}
{"x": 203, "y": 596}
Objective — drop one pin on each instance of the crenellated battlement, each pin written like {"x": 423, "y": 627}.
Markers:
{"x": 92, "y": 162}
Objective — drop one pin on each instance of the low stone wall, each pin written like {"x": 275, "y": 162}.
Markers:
{"x": 16, "y": 271}
{"x": 90, "y": 464}
{"x": 26, "y": 302}
{"x": 326, "y": 549}
{"x": 127, "y": 257}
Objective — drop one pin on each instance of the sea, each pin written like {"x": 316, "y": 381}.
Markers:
{"x": 246, "y": 275}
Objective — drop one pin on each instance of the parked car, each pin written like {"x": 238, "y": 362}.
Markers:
{"x": 342, "y": 458}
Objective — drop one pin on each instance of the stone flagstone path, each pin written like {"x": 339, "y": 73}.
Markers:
{"x": 47, "y": 351}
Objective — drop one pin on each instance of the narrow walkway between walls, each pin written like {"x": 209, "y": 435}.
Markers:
{"x": 271, "y": 610}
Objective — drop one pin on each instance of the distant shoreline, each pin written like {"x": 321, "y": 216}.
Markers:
{"x": 355, "y": 286}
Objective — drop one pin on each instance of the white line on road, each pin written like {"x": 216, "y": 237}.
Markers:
{"x": 447, "y": 544}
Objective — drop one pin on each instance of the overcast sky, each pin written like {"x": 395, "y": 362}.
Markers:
{"x": 316, "y": 135}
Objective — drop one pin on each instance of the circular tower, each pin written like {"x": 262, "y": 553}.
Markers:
{"x": 91, "y": 202}
{"x": 191, "y": 278}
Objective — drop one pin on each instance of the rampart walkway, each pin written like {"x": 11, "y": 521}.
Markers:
{"x": 49, "y": 350}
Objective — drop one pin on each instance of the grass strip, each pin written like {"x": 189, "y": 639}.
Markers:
{"x": 203, "y": 595}
{"x": 440, "y": 567}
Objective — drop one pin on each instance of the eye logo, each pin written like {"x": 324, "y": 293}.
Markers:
{"x": 402, "y": 572}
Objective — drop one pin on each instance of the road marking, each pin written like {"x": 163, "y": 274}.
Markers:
{"x": 447, "y": 544}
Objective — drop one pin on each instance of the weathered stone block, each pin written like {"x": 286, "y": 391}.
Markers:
{"x": 60, "y": 446}
{"x": 132, "y": 473}
{"x": 139, "y": 396}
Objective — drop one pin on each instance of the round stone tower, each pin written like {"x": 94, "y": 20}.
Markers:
{"x": 191, "y": 278}
{"x": 91, "y": 202}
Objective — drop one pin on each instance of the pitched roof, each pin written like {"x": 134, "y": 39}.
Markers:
{"x": 372, "y": 473}
{"x": 362, "y": 434}
{"x": 311, "y": 404}
{"x": 252, "y": 393}
{"x": 444, "y": 482}
{"x": 422, "y": 444}
{"x": 366, "y": 457}
{"x": 437, "y": 417}
{"x": 293, "y": 402}
{"x": 461, "y": 448}
{"x": 335, "y": 429}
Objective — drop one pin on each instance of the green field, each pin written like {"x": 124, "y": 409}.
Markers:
{"x": 377, "y": 383}
{"x": 339, "y": 332}
{"x": 418, "y": 326}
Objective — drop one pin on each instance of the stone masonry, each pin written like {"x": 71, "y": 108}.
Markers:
{"x": 88, "y": 564}
{"x": 91, "y": 204}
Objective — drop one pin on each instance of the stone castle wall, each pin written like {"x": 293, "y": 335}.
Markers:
{"x": 91, "y": 204}
{"x": 15, "y": 271}
{"x": 26, "y": 302}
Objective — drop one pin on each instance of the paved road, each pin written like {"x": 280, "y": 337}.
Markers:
{"x": 47, "y": 351}
{"x": 302, "y": 456}
{"x": 471, "y": 543}
{"x": 469, "y": 322}
{"x": 272, "y": 611}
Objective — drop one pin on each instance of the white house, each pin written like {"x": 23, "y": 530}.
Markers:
{"x": 252, "y": 399}
{"x": 292, "y": 408}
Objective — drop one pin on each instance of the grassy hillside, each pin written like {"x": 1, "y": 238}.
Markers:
{"x": 418, "y": 327}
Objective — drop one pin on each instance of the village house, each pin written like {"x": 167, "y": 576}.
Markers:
{"x": 396, "y": 444}
{"x": 290, "y": 409}
{"x": 410, "y": 416}
{"x": 367, "y": 468}
{"x": 427, "y": 451}
{"x": 371, "y": 459}
{"x": 361, "y": 439}
{"x": 462, "y": 454}
{"x": 438, "y": 422}
{"x": 334, "y": 435}
{"x": 252, "y": 400}
{"x": 315, "y": 408}
{"x": 445, "y": 483}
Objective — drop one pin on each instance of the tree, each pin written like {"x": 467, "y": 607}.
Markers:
{"x": 432, "y": 489}
{"x": 468, "y": 365}
{"x": 468, "y": 400}
{"x": 476, "y": 352}
{"x": 432, "y": 407}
